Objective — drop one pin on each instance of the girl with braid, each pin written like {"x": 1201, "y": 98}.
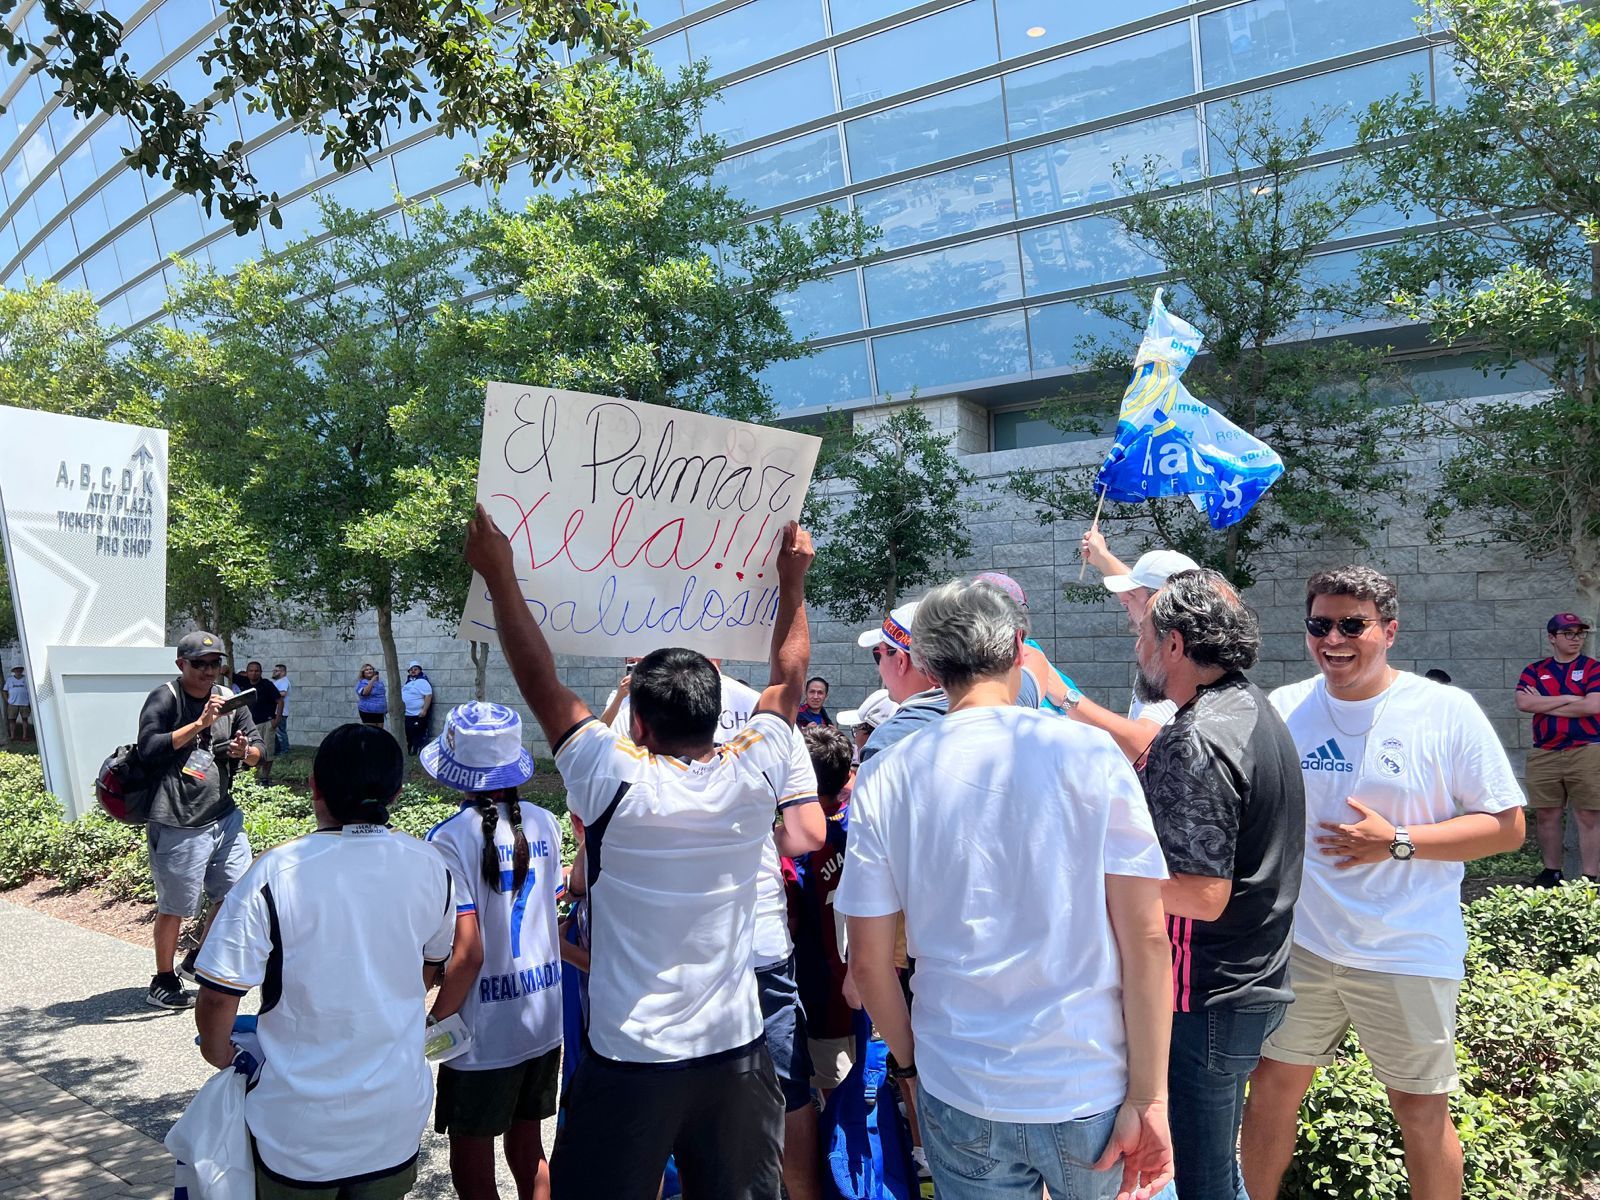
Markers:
{"x": 504, "y": 978}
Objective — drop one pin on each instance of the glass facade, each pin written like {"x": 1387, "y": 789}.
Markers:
{"x": 980, "y": 136}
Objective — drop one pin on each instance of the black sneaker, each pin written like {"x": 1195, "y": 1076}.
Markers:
{"x": 1548, "y": 878}
{"x": 166, "y": 991}
{"x": 186, "y": 967}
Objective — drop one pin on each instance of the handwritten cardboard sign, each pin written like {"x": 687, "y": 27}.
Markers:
{"x": 635, "y": 526}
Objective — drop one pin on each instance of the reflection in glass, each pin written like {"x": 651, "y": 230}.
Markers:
{"x": 755, "y": 32}
{"x": 1273, "y": 35}
{"x": 1055, "y": 331}
{"x": 1078, "y": 171}
{"x": 940, "y": 205}
{"x": 779, "y": 99}
{"x": 1029, "y": 25}
{"x": 836, "y": 375}
{"x": 960, "y": 352}
{"x": 920, "y": 52}
{"x": 1130, "y": 73}
{"x": 781, "y": 174}
{"x": 824, "y": 307}
{"x": 1081, "y": 253}
{"x": 1339, "y": 99}
{"x": 925, "y": 131}
{"x": 942, "y": 281}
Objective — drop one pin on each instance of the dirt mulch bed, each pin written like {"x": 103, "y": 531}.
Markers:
{"x": 129, "y": 920}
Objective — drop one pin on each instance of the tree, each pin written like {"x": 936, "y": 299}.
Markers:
{"x": 327, "y": 345}
{"x": 654, "y": 285}
{"x": 1515, "y": 270}
{"x": 1250, "y": 282}
{"x": 896, "y": 517}
{"x": 353, "y": 74}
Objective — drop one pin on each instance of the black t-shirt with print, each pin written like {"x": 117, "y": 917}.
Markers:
{"x": 1224, "y": 787}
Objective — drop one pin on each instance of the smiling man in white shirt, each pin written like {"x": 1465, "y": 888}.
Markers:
{"x": 1405, "y": 781}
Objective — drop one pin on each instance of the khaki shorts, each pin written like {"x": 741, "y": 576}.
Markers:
{"x": 1406, "y": 1023}
{"x": 1558, "y": 778}
{"x": 831, "y": 1060}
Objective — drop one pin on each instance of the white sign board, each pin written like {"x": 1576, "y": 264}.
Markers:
{"x": 635, "y": 526}
{"x": 83, "y": 510}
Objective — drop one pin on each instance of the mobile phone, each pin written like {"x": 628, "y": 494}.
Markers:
{"x": 238, "y": 700}
{"x": 627, "y": 669}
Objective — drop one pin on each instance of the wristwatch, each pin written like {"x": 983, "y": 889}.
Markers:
{"x": 1401, "y": 848}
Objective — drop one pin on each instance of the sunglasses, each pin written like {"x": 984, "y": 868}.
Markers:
{"x": 879, "y": 653}
{"x": 206, "y": 664}
{"x": 1351, "y": 627}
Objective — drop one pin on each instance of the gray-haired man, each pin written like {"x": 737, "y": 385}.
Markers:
{"x": 1223, "y": 783}
{"x": 1047, "y": 945}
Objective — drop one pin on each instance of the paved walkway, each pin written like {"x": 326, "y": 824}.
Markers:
{"x": 91, "y": 1078}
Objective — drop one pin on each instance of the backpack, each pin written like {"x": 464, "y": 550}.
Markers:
{"x": 125, "y": 786}
{"x": 863, "y": 1133}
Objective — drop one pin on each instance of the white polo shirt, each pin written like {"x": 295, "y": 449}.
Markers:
{"x": 514, "y": 1009}
{"x": 672, "y": 887}
{"x": 334, "y": 927}
{"x": 772, "y": 941}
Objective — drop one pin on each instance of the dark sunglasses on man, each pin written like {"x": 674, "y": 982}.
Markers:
{"x": 879, "y": 653}
{"x": 1351, "y": 627}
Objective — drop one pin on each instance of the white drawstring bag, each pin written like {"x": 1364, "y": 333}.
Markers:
{"x": 210, "y": 1140}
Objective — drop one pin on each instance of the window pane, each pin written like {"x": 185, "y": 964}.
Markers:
{"x": 1055, "y": 330}
{"x": 926, "y": 131}
{"x": 828, "y": 377}
{"x": 1272, "y": 35}
{"x": 671, "y": 54}
{"x": 936, "y": 206}
{"x": 177, "y": 224}
{"x": 60, "y": 247}
{"x": 364, "y": 189}
{"x": 942, "y": 281}
{"x": 1340, "y": 97}
{"x": 1078, "y": 170}
{"x": 136, "y": 249}
{"x": 659, "y": 12}
{"x": 1028, "y": 25}
{"x": 851, "y": 14}
{"x": 777, "y": 100}
{"x": 823, "y": 307}
{"x": 430, "y": 163}
{"x": 961, "y": 352}
{"x": 231, "y": 251}
{"x": 285, "y": 164}
{"x": 1020, "y": 430}
{"x": 1376, "y": 217}
{"x": 1131, "y": 73}
{"x": 756, "y": 31}
{"x": 146, "y": 298}
{"x": 920, "y": 52}
{"x": 78, "y": 173}
{"x": 1082, "y": 253}
{"x": 786, "y": 172}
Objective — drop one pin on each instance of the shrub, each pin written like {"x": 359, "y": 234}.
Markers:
{"x": 1347, "y": 1131}
{"x": 1563, "y": 1126}
{"x": 1523, "y": 862}
{"x": 1535, "y": 929}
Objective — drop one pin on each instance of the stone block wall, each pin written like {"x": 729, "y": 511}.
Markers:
{"x": 1476, "y": 612}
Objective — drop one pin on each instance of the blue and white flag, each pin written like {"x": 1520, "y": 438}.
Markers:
{"x": 1170, "y": 444}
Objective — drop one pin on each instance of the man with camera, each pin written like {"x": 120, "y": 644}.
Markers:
{"x": 194, "y": 736}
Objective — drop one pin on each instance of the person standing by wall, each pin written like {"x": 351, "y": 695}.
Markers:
{"x": 372, "y": 698}
{"x": 19, "y": 704}
{"x": 1562, "y": 693}
{"x": 264, "y": 712}
{"x": 417, "y": 692}
{"x": 280, "y": 680}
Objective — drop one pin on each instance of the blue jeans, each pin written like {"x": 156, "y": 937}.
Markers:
{"x": 1213, "y": 1053}
{"x": 281, "y": 744}
{"x": 977, "y": 1159}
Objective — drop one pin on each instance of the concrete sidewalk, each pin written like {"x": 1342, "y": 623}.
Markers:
{"x": 107, "y": 1074}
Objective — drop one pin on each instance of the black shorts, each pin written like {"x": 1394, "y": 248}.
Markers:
{"x": 720, "y": 1119}
{"x": 486, "y": 1103}
{"x": 371, "y": 718}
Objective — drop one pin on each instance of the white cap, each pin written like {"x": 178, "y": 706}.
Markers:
{"x": 895, "y": 630}
{"x": 1151, "y": 571}
{"x": 875, "y": 710}
{"x": 412, "y": 663}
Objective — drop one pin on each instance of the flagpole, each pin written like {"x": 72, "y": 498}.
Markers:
{"x": 1094, "y": 527}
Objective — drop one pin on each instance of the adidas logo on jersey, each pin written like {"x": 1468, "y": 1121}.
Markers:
{"x": 1327, "y": 757}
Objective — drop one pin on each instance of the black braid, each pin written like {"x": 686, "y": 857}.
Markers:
{"x": 484, "y": 802}
{"x": 519, "y": 857}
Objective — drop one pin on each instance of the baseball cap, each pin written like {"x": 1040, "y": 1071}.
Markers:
{"x": 1151, "y": 571}
{"x": 199, "y": 644}
{"x": 874, "y": 711}
{"x": 1565, "y": 621}
{"x": 895, "y": 630}
{"x": 413, "y": 663}
{"x": 1006, "y": 584}
{"x": 480, "y": 749}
